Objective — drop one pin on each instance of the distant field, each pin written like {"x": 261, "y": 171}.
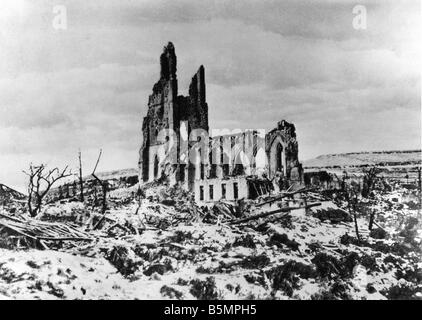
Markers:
{"x": 359, "y": 159}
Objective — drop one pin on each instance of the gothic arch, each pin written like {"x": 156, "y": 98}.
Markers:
{"x": 277, "y": 156}
{"x": 279, "y": 159}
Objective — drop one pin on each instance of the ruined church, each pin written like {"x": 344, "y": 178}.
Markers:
{"x": 232, "y": 166}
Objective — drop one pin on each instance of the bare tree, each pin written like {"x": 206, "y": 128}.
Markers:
{"x": 351, "y": 193}
{"x": 81, "y": 181}
{"x": 420, "y": 189}
{"x": 140, "y": 194}
{"x": 370, "y": 178}
{"x": 344, "y": 177}
{"x": 40, "y": 182}
{"x": 104, "y": 186}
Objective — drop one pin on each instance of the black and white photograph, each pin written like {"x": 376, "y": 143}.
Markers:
{"x": 218, "y": 150}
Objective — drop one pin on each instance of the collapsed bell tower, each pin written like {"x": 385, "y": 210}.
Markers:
{"x": 166, "y": 110}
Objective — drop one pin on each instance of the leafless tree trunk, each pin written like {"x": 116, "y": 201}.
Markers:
{"x": 352, "y": 210}
{"x": 104, "y": 186}
{"x": 140, "y": 194}
{"x": 351, "y": 194}
{"x": 356, "y": 225}
{"x": 370, "y": 179}
{"x": 420, "y": 192}
{"x": 40, "y": 183}
{"x": 81, "y": 181}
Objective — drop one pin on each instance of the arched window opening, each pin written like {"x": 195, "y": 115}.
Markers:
{"x": 156, "y": 163}
{"x": 279, "y": 158}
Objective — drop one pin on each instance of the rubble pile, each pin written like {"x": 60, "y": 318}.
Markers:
{"x": 35, "y": 233}
{"x": 154, "y": 242}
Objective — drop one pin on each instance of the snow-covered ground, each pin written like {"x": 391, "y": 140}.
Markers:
{"x": 295, "y": 257}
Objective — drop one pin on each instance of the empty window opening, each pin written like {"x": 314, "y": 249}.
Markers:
{"x": 202, "y": 171}
{"x": 226, "y": 169}
{"x": 156, "y": 163}
{"x": 213, "y": 171}
{"x": 235, "y": 190}
{"x": 201, "y": 193}
{"x": 279, "y": 159}
{"x": 182, "y": 173}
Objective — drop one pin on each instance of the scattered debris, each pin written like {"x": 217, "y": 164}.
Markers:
{"x": 298, "y": 244}
{"x": 36, "y": 233}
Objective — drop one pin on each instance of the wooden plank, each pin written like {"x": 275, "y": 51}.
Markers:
{"x": 268, "y": 213}
{"x": 18, "y": 231}
{"x": 11, "y": 218}
{"x": 37, "y": 230}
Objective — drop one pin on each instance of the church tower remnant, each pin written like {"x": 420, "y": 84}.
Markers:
{"x": 166, "y": 110}
{"x": 224, "y": 170}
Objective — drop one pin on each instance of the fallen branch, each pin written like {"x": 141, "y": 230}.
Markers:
{"x": 39, "y": 230}
{"x": 268, "y": 213}
{"x": 284, "y": 195}
{"x": 379, "y": 226}
{"x": 287, "y": 214}
{"x": 44, "y": 245}
{"x": 118, "y": 225}
{"x": 99, "y": 222}
{"x": 104, "y": 187}
{"x": 10, "y": 218}
{"x": 64, "y": 239}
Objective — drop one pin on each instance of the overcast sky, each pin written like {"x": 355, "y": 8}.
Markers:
{"x": 87, "y": 86}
